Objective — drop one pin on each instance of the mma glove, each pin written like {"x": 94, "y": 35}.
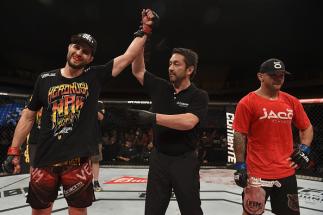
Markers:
{"x": 300, "y": 156}
{"x": 142, "y": 117}
{"x": 240, "y": 175}
{"x": 12, "y": 164}
{"x": 147, "y": 23}
{"x": 130, "y": 117}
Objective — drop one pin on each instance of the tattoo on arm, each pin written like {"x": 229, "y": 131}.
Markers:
{"x": 239, "y": 145}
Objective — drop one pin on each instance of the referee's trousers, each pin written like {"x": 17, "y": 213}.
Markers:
{"x": 177, "y": 173}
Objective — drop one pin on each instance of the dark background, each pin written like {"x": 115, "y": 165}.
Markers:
{"x": 232, "y": 38}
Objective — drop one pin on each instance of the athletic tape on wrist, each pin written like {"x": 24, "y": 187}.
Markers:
{"x": 305, "y": 148}
{"x": 13, "y": 151}
{"x": 240, "y": 165}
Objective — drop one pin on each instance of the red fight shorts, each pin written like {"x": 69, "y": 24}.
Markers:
{"x": 75, "y": 179}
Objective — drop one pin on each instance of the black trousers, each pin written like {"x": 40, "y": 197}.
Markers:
{"x": 178, "y": 173}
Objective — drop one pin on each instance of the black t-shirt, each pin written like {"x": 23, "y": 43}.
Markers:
{"x": 34, "y": 133}
{"x": 101, "y": 109}
{"x": 69, "y": 117}
{"x": 166, "y": 101}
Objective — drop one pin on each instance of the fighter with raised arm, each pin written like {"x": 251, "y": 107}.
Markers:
{"x": 67, "y": 137}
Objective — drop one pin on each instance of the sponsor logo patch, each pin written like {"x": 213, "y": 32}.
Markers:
{"x": 127, "y": 180}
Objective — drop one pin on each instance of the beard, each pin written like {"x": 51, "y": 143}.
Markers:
{"x": 172, "y": 79}
{"x": 176, "y": 79}
{"x": 73, "y": 65}
{"x": 76, "y": 66}
{"x": 275, "y": 86}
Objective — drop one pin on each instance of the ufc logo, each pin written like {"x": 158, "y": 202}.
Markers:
{"x": 277, "y": 65}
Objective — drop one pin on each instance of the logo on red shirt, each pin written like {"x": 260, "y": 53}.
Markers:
{"x": 280, "y": 115}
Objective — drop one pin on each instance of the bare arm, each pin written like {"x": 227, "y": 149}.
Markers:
{"x": 239, "y": 145}
{"x": 23, "y": 127}
{"x": 306, "y": 135}
{"x": 138, "y": 67}
{"x": 122, "y": 61}
{"x": 149, "y": 18}
{"x": 100, "y": 116}
{"x": 181, "y": 122}
{"x": 123, "y": 158}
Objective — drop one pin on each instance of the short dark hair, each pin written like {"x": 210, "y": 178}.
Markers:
{"x": 190, "y": 58}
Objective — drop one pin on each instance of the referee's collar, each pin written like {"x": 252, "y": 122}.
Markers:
{"x": 190, "y": 87}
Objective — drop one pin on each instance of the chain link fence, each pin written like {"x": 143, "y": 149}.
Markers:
{"x": 132, "y": 145}
{"x": 314, "y": 110}
{"x": 10, "y": 110}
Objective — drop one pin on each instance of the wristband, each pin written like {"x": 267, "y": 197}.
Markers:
{"x": 146, "y": 29}
{"x": 304, "y": 148}
{"x": 13, "y": 151}
{"x": 240, "y": 165}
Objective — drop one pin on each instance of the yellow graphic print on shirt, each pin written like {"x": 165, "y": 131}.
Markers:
{"x": 66, "y": 101}
{"x": 37, "y": 121}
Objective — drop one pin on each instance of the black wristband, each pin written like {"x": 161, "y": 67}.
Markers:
{"x": 139, "y": 33}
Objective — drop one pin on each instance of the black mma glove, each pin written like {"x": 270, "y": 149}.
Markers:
{"x": 12, "y": 164}
{"x": 300, "y": 156}
{"x": 117, "y": 116}
{"x": 142, "y": 117}
{"x": 130, "y": 117}
{"x": 240, "y": 175}
{"x": 148, "y": 22}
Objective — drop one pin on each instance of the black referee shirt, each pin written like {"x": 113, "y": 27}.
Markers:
{"x": 166, "y": 101}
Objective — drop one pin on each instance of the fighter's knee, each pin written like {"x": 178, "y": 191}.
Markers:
{"x": 77, "y": 211}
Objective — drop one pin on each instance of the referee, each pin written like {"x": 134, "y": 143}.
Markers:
{"x": 178, "y": 108}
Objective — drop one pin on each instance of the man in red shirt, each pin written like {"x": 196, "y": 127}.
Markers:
{"x": 263, "y": 143}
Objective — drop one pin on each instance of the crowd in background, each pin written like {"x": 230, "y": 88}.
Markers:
{"x": 134, "y": 146}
